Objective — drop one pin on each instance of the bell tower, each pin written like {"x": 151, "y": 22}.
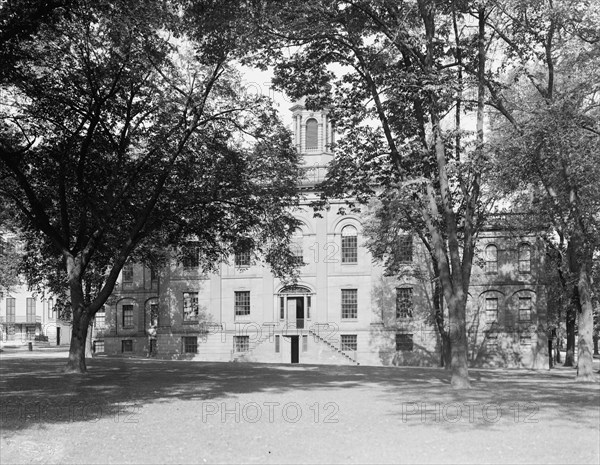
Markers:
{"x": 313, "y": 135}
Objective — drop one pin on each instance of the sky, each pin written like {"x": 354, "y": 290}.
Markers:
{"x": 259, "y": 82}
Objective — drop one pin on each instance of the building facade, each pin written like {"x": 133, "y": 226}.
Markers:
{"x": 342, "y": 310}
{"x": 27, "y": 316}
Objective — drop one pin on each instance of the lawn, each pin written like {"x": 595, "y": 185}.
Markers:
{"x": 149, "y": 411}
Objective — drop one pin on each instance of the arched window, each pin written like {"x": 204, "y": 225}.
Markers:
{"x": 297, "y": 246}
{"x": 491, "y": 259}
{"x": 524, "y": 258}
{"x": 312, "y": 134}
{"x": 349, "y": 244}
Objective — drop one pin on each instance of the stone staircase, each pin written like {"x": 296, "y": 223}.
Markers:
{"x": 333, "y": 346}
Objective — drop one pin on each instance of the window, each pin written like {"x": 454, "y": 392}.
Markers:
{"x": 405, "y": 248}
{"x": 30, "y": 332}
{"x": 190, "y": 306}
{"x": 50, "y": 307}
{"x": 242, "y": 343}
{"x": 308, "y": 306}
{"x": 404, "y": 342}
{"x": 491, "y": 259}
{"x": 491, "y": 343}
{"x": 525, "y": 309}
{"x": 190, "y": 344}
{"x": 348, "y": 342}
{"x": 404, "y": 302}
{"x": 349, "y": 244}
{"x": 98, "y": 347}
{"x": 304, "y": 343}
{"x": 242, "y": 259}
{"x": 10, "y": 310}
{"x": 30, "y": 309}
{"x": 491, "y": 309}
{"x": 191, "y": 257}
{"x": 127, "y": 315}
{"x": 154, "y": 314}
{"x": 524, "y": 258}
{"x": 525, "y": 340}
{"x": 277, "y": 346}
{"x": 312, "y": 134}
{"x": 100, "y": 318}
{"x": 126, "y": 345}
{"x": 349, "y": 303}
{"x": 297, "y": 247}
{"x": 242, "y": 303}
{"x": 128, "y": 273}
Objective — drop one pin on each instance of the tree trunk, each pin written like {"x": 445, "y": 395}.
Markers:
{"x": 445, "y": 343}
{"x": 446, "y": 350}
{"x": 80, "y": 327}
{"x": 458, "y": 340}
{"x": 570, "y": 324}
{"x": 76, "y": 361}
{"x": 88, "y": 343}
{"x": 585, "y": 325}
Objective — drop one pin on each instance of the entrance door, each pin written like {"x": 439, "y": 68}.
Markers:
{"x": 57, "y": 336}
{"x": 296, "y": 311}
{"x": 295, "y": 352}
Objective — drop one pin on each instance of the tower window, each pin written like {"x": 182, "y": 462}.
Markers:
{"x": 312, "y": 134}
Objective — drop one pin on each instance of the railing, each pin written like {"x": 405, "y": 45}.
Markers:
{"x": 334, "y": 347}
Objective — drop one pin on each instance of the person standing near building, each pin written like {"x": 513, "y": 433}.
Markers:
{"x": 151, "y": 340}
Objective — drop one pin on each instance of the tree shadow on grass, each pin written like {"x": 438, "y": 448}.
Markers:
{"x": 35, "y": 392}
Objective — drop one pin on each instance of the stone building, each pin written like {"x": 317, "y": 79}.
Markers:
{"x": 342, "y": 310}
{"x": 28, "y": 316}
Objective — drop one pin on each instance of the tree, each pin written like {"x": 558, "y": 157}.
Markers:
{"x": 126, "y": 133}
{"x": 392, "y": 219}
{"x": 392, "y": 74}
{"x": 548, "y": 134}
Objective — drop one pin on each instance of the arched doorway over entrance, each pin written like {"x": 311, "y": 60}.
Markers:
{"x": 295, "y": 305}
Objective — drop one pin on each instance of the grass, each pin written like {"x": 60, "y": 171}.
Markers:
{"x": 149, "y": 411}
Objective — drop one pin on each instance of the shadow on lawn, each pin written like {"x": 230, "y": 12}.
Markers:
{"x": 35, "y": 392}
